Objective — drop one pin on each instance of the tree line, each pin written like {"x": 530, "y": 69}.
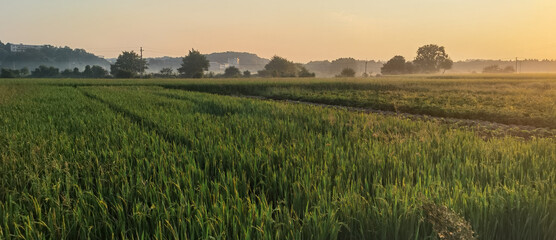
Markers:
{"x": 430, "y": 59}
{"x": 52, "y": 72}
{"x": 47, "y": 55}
{"x": 195, "y": 65}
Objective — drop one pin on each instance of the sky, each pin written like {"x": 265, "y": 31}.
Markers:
{"x": 301, "y": 30}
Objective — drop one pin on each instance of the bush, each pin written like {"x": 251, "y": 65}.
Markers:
{"x": 246, "y": 74}
{"x": 7, "y": 73}
{"x": 397, "y": 65}
{"x": 305, "y": 73}
{"x": 13, "y": 73}
{"x": 232, "y": 72}
{"x": 347, "y": 72}
{"x": 45, "y": 72}
{"x": 498, "y": 69}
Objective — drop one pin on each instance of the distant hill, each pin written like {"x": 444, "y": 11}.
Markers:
{"x": 60, "y": 57}
{"x": 20, "y": 56}
{"x": 247, "y": 61}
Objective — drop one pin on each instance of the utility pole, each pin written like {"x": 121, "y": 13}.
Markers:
{"x": 366, "y": 67}
{"x": 516, "y": 69}
{"x": 142, "y": 69}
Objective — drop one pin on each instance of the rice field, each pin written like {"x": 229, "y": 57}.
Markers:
{"x": 167, "y": 159}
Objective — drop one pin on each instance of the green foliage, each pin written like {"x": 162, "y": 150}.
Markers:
{"x": 497, "y": 69}
{"x": 340, "y": 64}
{"x": 397, "y": 65}
{"x": 9, "y": 73}
{"x": 194, "y": 65}
{"x": 128, "y": 65}
{"x": 13, "y": 73}
{"x": 232, "y": 72}
{"x": 279, "y": 67}
{"x": 347, "y": 72}
{"x": 67, "y": 73}
{"x": 88, "y": 72}
{"x": 509, "y": 99}
{"x": 167, "y": 72}
{"x": 432, "y": 58}
{"x": 105, "y": 159}
{"x": 48, "y": 56}
{"x": 247, "y": 74}
{"x": 45, "y": 72}
{"x": 304, "y": 73}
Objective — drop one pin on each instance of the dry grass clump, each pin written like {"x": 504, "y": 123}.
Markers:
{"x": 446, "y": 223}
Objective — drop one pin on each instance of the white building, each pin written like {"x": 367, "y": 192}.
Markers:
{"x": 217, "y": 67}
{"x": 23, "y": 48}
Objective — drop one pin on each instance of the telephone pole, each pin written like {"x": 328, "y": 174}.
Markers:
{"x": 142, "y": 69}
{"x": 366, "y": 67}
{"x": 516, "y": 69}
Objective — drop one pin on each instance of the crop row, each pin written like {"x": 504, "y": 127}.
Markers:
{"x": 136, "y": 162}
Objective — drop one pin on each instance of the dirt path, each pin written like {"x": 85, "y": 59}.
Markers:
{"x": 486, "y": 129}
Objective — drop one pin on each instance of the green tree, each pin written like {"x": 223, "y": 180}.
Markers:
{"x": 7, "y": 73}
{"x": 232, "y": 72}
{"x": 88, "y": 73}
{"x": 128, "y": 65}
{"x": 347, "y": 72}
{"x": 432, "y": 58}
{"x": 167, "y": 72}
{"x": 67, "y": 73}
{"x": 397, "y": 65}
{"x": 3, "y": 51}
{"x": 45, "y": 72}
{"x": 279, "y": 67}
{"x": 194, "y": 65}
{"x": 303, "y": 72}
{"x": 247, "y": 74}
{"x": 498, "y": 69}
{"x": 342, "y": 63}
{"x": 24, "y": 72}
{"x": 98, "y": 72}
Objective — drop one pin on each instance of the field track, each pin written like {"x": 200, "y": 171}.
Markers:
{"x": 489, "y": 128}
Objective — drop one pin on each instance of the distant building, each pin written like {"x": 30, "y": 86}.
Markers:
{"x": 217, "y": 67}
{"x": 23, "y": 48}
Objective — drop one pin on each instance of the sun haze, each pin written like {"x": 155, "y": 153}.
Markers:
{"x": 298, "y": 30}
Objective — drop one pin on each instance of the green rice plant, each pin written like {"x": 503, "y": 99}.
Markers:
{"x": 142, "y": 160}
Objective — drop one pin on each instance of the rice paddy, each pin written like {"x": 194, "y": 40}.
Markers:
{"x": 169, "y": 159}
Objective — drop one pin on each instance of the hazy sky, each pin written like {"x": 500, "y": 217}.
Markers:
{"x": 301, "y": 30}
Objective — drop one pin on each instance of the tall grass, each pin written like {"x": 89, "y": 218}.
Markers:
{"x": 148, "y": 162}
{"x": 509, "y": 101}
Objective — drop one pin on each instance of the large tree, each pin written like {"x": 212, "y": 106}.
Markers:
{"x": 432, "y": 58}
{"x": 397, "y": 65}
{"x": 194, "y": 65}
{"x": 128, "y": 65}
{"x": 232, "y": 72}
{"x": 279, "y": 67}
{"x": 347, "y": 72}
{"x": 304, "y": 73}
{"x": 45, "y": 72}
